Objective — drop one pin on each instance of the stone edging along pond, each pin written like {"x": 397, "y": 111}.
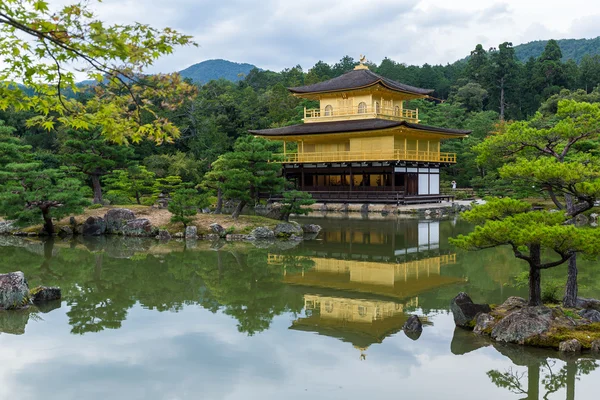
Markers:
{"x": 123, "y": 222}
{"x": 514, "y": 321}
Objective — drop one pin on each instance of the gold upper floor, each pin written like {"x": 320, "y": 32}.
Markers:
{"x": 373, "y": 102}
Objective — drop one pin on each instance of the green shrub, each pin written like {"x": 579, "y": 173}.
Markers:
{"x": 552, "y": 292}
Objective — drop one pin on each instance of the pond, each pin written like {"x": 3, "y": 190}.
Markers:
{"x": 319, "y": 319}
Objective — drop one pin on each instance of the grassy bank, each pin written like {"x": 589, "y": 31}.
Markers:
{"x": 161, "y": 218}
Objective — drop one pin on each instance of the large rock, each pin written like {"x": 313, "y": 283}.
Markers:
{"x": 591, "y": 315}
{"x": 311, "y": 228}
{"x": 288, "y": 230}
{"x": 218, "y": 230}
{"x": 14, "y": 291}
{"x": 413, "y": 327}
{"x": 261, "y": 233}
{"x": 588, "y": 303}
{"x": 65, "y": 231}
{"x": 570, "y": 346}
{"x": 511, "y": 304}
{"x": 6, "y": 227}
{"x": 484, "y": 324}
{"x": 42, "y": 294}
{"x": 191, "y": 232}
{"x": 117, "y": 218}
{"x": 522, "y": 325}
{"x": 163, "y": 235}
{"x": 139, "y": 227}
{"x": 271, "y": 210}
{"x": 465, "y": 311}
{"x": 94, "y": 226}
{"x": 596, "y": 346}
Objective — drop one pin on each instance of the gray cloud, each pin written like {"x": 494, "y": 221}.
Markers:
{"x": 276, "y": 34}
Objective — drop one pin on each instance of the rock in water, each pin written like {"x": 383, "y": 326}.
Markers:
{"x": 140, "y": 227}
{"x": 94, "y": 226}
{"x": 596, "y": 346}
{"x": 218, "y": 230}
{"x": 484, "y": 323}
{"x": 65, "y": 231}
{"x": 465, "y": 311}
{"x": 570, "y": 346}
{"x": 522, "y": 325}
{"x": 261, "y": 233}
{"x": 14, "y": 291}
{"x": 163, "y": 235}
{"x": 117, "y": 218}
{"x": 311, "y": 228}
{"x": 191, "y": 232}
{"x": 413, "y": 327}
{"x": 42, "y": 294}
{"x": 288, "y": 230}
{"x": 591, "y": 315}
{"x": 6, "y": 227}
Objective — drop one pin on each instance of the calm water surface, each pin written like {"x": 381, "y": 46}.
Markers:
{"x": 322, "y": 320}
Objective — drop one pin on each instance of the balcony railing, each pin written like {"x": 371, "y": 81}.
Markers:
{"x": 317, "y": 115}
{"x": 354, "y": 156}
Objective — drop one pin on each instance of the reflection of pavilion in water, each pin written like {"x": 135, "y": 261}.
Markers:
{"x": 358, "y": 285}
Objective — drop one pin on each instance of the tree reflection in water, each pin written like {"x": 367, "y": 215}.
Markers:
{"x": 544, "y": 371}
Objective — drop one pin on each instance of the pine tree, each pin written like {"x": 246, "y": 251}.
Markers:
{"x": 553, "y": 154}
{"x": 295, "y": 202}
{"x": 134, "y": 183}
{"x": 247, "y": 171}
{"x": 184, "y": 205}
{"x": 538, "y": 237}
{"x": 91, "y": 154}
{"x": 30, "y": 192}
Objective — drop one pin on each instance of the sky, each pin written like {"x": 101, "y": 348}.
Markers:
{"x": 276, "y": 34}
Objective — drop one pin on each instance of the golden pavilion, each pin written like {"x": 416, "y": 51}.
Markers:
{"x": 362, "y": 144}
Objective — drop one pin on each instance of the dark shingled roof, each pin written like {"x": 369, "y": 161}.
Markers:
{"x": 315, "y": 128}
{"x": 355, "y": 79}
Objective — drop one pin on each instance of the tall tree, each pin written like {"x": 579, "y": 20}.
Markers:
{"x": 502, "y": 73}
{"x": 478, "y": 65}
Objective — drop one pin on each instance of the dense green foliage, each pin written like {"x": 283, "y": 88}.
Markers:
{"x": 43, "y": 45}
{"x": 32, "y": 192}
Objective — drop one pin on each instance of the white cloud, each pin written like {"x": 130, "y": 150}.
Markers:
{"x": 276, "y": 34}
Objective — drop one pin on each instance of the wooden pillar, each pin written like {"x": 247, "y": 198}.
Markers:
{"x": 351, "y": 177}
{"x": 428, "y": 157}
{"x": 284, "y": 148}
{"x": 393, "y": 179}
{"x": 405, "y": 146}
{"x": 302, "y": 178}
{"x": 417, "y": 148}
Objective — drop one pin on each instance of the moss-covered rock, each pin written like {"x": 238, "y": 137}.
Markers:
{"x": 14, "y": 291}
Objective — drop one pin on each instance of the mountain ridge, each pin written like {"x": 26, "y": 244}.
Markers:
{"x": 208, "y": 70}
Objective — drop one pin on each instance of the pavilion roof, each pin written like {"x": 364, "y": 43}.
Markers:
{"x": 357, "y": 79}
{"x": 352, "y": 126}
